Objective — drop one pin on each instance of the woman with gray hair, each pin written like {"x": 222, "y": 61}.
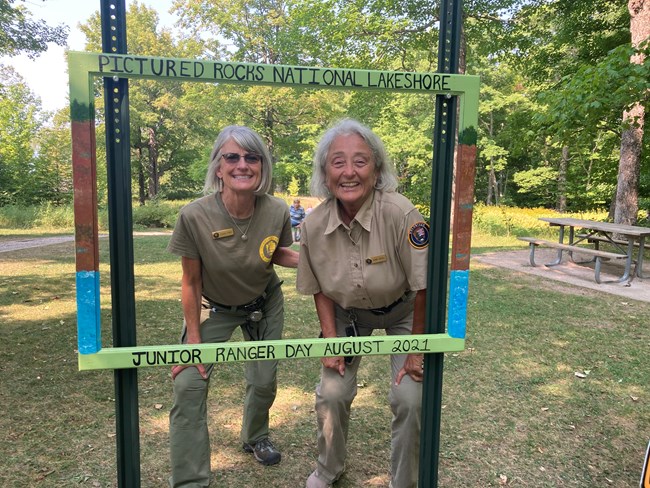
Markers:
{"x": 363, "y": 256}
{"x": 228, "y": 242}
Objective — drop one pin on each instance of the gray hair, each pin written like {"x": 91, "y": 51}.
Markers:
{"x": 249, "y": 141}
{"x": 386, "y": 178}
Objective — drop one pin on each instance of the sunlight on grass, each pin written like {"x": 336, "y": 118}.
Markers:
{"x": 560, "y": 388}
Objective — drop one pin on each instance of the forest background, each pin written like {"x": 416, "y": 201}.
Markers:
{"x": 561, "y": 102}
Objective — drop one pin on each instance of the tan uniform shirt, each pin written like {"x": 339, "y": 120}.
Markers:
{"x": 234, "y": 271}
{"x": 369, "y": 264}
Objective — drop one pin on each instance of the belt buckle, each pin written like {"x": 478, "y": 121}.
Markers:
{"x": 255, "y": 315}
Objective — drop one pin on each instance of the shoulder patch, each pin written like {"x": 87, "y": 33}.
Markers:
{"x": 419, "y": 235}
{"x": 267, "y": 248}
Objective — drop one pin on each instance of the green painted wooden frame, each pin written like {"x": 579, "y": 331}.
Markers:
{"x": 84, "y": 67}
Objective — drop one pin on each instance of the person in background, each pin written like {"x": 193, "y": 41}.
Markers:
{"x": 297, "y": 214}
{"x": 363, "y": 257}
{"x": 228, "y": 242}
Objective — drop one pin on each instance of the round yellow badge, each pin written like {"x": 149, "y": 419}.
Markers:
{"x": 267, "y": 248}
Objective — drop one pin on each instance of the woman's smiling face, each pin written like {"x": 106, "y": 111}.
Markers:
{"x": 351, "y": 172}
{"x": 240, "y": 176}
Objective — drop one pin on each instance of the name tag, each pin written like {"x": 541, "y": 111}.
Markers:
{"x": 218, "y": 234}
{"x": 377, "y": 259}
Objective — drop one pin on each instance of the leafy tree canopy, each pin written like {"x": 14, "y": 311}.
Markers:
{"x": 21, "y": 34}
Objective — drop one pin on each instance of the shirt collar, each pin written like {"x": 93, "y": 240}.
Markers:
{"x": 363, "y": 217}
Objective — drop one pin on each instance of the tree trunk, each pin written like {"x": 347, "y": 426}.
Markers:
{"x": 627, "y": 189}
{"x": 561, "y": 180}
{"x": 154, "y": 185}
{"x": 142, "y": 197}
{"x": 492, "y": 179}
{"x": 493, "y": 189}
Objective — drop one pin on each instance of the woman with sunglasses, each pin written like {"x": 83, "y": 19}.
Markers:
{"x": 228, "y": 242}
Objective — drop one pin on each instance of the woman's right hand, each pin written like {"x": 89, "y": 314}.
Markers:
{"x": 176, "y": 369}
{"x": 180, "y": 367}
{"x": 337, "y": 364}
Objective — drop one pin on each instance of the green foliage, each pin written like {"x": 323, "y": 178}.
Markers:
{"x": 539, "y": 182}
{"x": 20, "y": 118}
{"x": 503, "y": 220}
{"x": 287, "y": 171}
{"x": 45, "y": 216}
{"x": 294, "y": 187}
{"x": 555, "y": 79}
{"x": 157, "y": 214}
{"x": 594, "y": 96}
{"x": 18, "y": 217}
{"x": 20, "y": 33}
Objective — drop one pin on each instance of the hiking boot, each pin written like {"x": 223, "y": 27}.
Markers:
{"x": 264, "y": 452}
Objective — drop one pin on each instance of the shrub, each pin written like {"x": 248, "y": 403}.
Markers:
{"x": 506, "y": 221}
{"x": 157, "y": 214}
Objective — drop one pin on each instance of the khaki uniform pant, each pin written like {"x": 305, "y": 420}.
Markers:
{"x": 188, "y": 426}
{"x": 335, "y": 393}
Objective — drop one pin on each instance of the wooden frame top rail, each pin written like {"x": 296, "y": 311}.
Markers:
{"x": 628, "y": 230}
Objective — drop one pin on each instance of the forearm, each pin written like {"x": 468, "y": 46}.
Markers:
{"x": 284, "y": 256}
{"x": 419, "y": 312}
{"x": 326, "y": 316}
{"x": 191, "y": 290}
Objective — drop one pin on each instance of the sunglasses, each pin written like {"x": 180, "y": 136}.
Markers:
{"x": 233, "y": 158}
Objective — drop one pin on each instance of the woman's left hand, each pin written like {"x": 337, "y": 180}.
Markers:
{"x": 413, "y": 366}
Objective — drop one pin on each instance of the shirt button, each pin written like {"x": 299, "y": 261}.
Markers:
{"x": 358, "y": 286}
{"x": 356, "y": 265}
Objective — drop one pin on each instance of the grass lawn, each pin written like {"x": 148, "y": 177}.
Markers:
{"x": 514, "y": 411}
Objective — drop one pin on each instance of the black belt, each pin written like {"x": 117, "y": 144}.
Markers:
{"x": 256, "y": 304}
{"x": 248, "y": 307}
{"x": 387, "y": 308}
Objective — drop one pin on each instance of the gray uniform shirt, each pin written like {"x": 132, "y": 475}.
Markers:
{"x": 234, "y": 272}
{"x": 372, "y": 262}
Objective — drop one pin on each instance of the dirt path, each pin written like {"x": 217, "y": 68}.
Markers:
{"x": 29, "y": 242}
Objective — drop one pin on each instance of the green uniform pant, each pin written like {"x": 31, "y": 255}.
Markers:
{"x": 188, "y": 426}
{"x": 335, "y": 393}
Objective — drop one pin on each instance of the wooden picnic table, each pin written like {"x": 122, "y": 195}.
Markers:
{"x": 624, "y": 238}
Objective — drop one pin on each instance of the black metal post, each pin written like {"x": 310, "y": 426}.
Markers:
{"x": 441, "y": 184}
{"x": 116, "y": 105}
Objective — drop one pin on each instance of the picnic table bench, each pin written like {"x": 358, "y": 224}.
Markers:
{"x": 596, "y": 239}
{"x": 596, "y": 232}
{"x": 597, "y": 254}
